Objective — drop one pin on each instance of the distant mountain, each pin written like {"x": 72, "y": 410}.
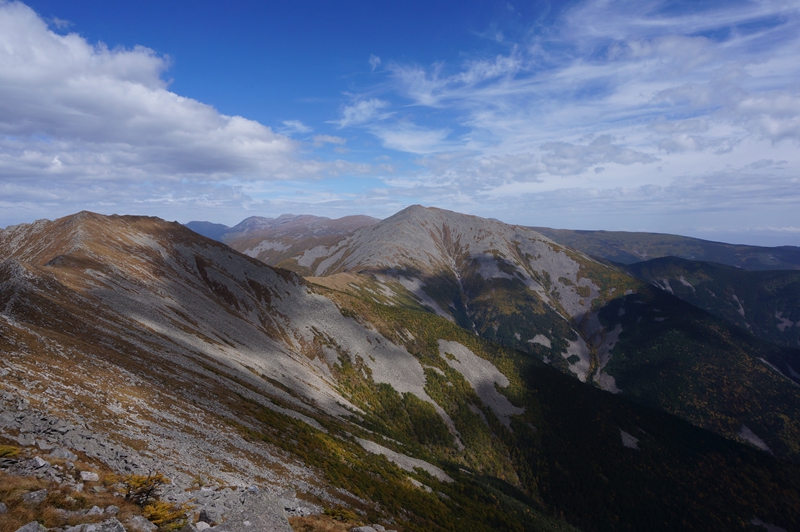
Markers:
{"x": 766, "y": 303}
{"x": 516, "y": 287}
{"x": 145, "y": 346}
{"x": 256, "y": 229}
{"x": 279, "y": 241}
{"x": 209, "y": 229}
{"x": 629, "y": 248}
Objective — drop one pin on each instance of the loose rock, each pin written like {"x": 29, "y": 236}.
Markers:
{"x": 34, "y": 497}
{"x": 137, "y": 522}
{"x": 33, "y": 526}
{"x": 89, "y": 476}
{"x": 254, "y": 509}
{"x": 63, "y": 453}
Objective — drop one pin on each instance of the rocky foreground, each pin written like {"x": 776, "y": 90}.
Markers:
{"x": 75, "y": 461}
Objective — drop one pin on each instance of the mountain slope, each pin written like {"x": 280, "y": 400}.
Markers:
{"x": 628, "y": 248}
{"x": 182, "y": 355}
{"x": 766, "y": 303}
{"x": 513, "y": 286}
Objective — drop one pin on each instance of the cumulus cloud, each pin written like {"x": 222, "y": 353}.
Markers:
{"x": 72, "y": 109}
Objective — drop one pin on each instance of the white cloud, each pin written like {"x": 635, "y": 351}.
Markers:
{"x": 295, "y": 126}
{"x": 362, "y": 111}
{"x": 411, "y": 138}
{"x": 320, "y": 140}
{"x": 71, "y": 109}
{"x": 374, "y": 61}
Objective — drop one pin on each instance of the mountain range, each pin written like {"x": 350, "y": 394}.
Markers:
{"x": 430, "y": 371}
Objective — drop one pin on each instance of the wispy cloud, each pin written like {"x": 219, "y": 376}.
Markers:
{"x": 374, "y": 61}
{"x": 627, "y": 104}
{"x": 321, "y": 140}
{"x": 291, "y": 127}
{"x": 363, "y": 111}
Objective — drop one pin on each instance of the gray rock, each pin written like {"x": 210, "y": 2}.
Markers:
{"x": 33, "y": 526}
{"x": 34, "y": 497}
{"x": 137, "y": 522}
{"x": 209, "y": 515}
{"x": 3, "y": 508}
{"x": 44, "y": 446}
{"x": 202, "y": 525}
{"x": 96, "y": 510}
{"x": 111, "y": 510}
{"x": 38, "y": 462}
{"x": 63, "y": 453}
{"x": 110, "y": 525}
{"x": 379, "y": 528}
{"x": 363, "y": 529}
{"x": 89, "y": 476}
{"x": 254, "y": 510}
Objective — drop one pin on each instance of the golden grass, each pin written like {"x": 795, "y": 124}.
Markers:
{"x": 48, "y": 513}
{"x": 320, "y": 523}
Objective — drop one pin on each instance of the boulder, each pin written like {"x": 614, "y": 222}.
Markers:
{"x": 3, "y": 508}
{"x": 109, "y": 525}
{"x": 34, "y": 497}
{"x": 33, "y": 526}
{"x": 63, "y": 453}
{"x": 254, "y": 510}
{"x": 140, "y": 524}
{"x": 89, "y": 476}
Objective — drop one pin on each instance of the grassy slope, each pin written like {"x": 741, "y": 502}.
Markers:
{"x": 762, "y": 294}
{"x": 566, "y": 449}
{"x": 676, "y": 357}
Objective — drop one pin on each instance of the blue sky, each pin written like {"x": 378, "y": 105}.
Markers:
{"x": 680, "y": 117}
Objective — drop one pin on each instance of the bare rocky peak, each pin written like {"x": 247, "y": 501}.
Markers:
{"x": 424, "y": 238}
{"x": 423, "y": 242}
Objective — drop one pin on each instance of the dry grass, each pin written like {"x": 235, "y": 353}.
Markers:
{"x": 49, "y": 513}
{"x": 320, "y": 523}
